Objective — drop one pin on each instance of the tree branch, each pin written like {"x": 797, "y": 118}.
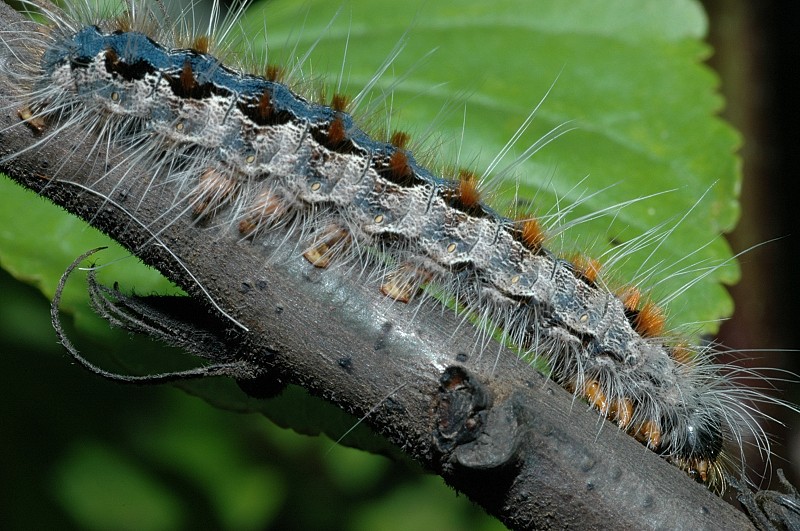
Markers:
{"x": 496, "y": 430}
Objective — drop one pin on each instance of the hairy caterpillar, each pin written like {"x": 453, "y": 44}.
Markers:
{"x": 203, "y": 202}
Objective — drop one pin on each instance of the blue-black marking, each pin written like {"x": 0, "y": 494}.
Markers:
{"x": 133, "y": 56}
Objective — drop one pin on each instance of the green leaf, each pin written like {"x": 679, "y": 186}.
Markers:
{"x": 627, "y": 77}
{"x": 38, "y": 240}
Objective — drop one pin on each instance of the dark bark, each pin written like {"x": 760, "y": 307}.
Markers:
{"x": 496, "y": 430}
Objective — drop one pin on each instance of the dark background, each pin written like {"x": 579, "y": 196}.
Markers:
{"x": 757, "y": 55}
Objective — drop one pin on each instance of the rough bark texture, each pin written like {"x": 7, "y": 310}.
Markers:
{"x": 513, "y": 442}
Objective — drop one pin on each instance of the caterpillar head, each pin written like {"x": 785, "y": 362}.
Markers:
{"x": 696, "y": 447}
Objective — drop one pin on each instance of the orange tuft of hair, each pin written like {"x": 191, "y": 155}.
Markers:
{"x": 339, "y": 102}
{"x": 399, "y": 139}
{"x": 650, "y": 320}
{"x": 111, "y": 56}
{"x": 468, "y": 191}
{"x": 202, "y": 44}
{"x": 532, "y": 234}
{"x": 274, "y": 73}
{"x": 630, "y": 297}
{"x": 398, "y": 164}
{"x": 682, "y": 354}
{"x": 336, "y": 132}
{"x": 265, "y": 105}
{"x": 588, "y": 268}
{"x": 188, "y": 82}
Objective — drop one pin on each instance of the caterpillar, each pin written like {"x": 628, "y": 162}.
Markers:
{"x": 406, "y": 226}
